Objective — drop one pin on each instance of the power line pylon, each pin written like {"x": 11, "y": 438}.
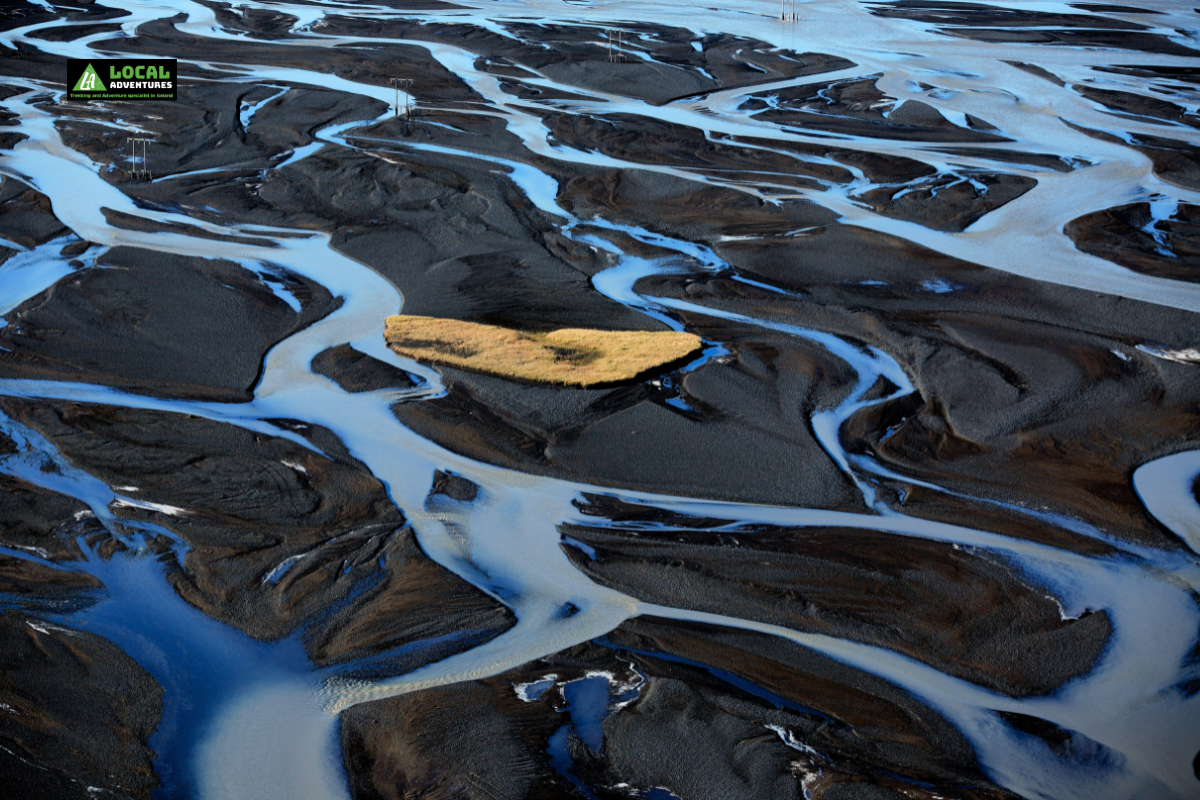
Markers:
{"x": 135, "y": 173}
{"x": 406, "y": 85}
{"x": 616, "y": 43}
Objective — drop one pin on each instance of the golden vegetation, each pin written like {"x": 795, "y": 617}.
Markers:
{"x": 569, "y": 356}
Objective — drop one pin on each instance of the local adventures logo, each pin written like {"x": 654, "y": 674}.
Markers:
{"x": 121, "y": 79}
{"x": 89, "y": 81}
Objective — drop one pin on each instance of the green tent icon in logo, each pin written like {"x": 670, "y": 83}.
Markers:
{"x": 89, "y": 81}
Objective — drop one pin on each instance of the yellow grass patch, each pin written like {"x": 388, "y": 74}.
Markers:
{"x": 570, "y": 356}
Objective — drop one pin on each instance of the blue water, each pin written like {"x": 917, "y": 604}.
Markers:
{"x": 587, "y": 703}
{"x": 200, "y": 663}
{"x": 560, "y": 759}
{"x": 587, "y": 706}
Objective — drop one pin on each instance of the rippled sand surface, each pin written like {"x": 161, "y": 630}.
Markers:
{"x": 920, "y": 519}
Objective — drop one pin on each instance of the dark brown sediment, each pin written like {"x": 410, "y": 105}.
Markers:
{"x": 900, "y": 593}
{"x": 690, "y": 725}
{"x": 77, "y": 712}
{"x": 157, "y": 324}
{"x": 282, "y": 539}
{"x": 1124, "y": 235}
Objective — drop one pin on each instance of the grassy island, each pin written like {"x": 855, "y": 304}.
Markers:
{"x": 568, "y": 356}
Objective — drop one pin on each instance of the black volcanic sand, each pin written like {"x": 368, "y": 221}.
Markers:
{"x": 372, "y": 66}
{"x": 645, "y": 140}
{"x": 358, "y": 372}
{"x": 1020, "y": 396}
{"x": 75, "y": 714}
{"x": 1136, "y": 105}
{"x": 46, "y": 525}
{"x": 1177, "y": 162}
{"x": 19, "y": 13}
{"x": 203, "y": 130}
{"x": 903, "y": 594}
{"x": 252, "y": 502}
{"x": 257, "y": 23}
{"x": 645, "y": 197}
{"x": 8, "y": 138}
{"x": 856, "y": 107}
{"x": 1123, "y": 235}
{"x": 75, "y": 711}
{"x": 747, "y": 440}
{"x": 579, "y": 55}
{"x": 949, "y": 202}
{"x": 941, "y": 202}
{"x": 691, "y": 726}
{"x": 990, "y": 24}
{"x": 474, "y": 247}
{"x": 1013, "y": 402}
{"x": 25, "y": 215}
{"x": 158, "y": 324}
